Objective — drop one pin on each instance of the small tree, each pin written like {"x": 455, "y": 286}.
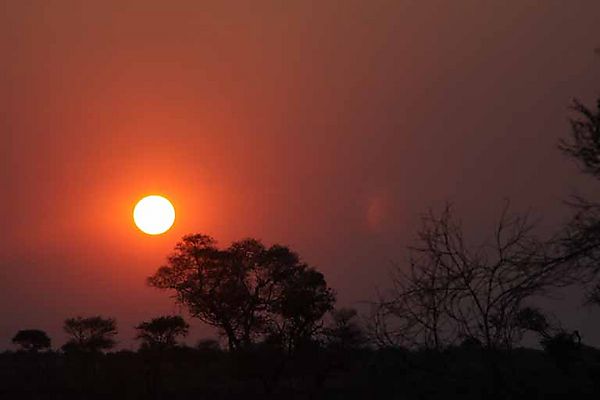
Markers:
{"x": 158, "y": 335}
{"x": 32, "y": 340}
{"x": 563, "y": 347}
{"x": 344, "y": 332}
{"x": 162, "y": 332}
{"x": 91, "y": 335}
{"x": 532, "y": 319}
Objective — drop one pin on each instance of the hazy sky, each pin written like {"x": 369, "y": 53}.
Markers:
{"x": 325, "y": 125}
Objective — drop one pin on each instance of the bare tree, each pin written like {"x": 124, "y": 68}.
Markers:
{"x": 420, "y": 298}
{"x": 584, "y": 143}
{"x": 580, "y": 239}
{"x": 454, "y": 290}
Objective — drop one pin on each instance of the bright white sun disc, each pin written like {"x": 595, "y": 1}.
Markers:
{"x": 154, "y": 215}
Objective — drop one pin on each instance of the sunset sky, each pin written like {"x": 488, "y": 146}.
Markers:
{"x": 324, "y": 125}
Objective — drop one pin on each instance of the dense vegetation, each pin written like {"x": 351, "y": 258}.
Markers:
{"x": 197, "y": 373}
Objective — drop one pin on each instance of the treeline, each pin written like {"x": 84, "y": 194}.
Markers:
{"x": 314, "y": 372}
{"x": 449, "y": 325}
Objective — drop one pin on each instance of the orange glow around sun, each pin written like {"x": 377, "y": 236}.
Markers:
{"x": 154, "y": 215}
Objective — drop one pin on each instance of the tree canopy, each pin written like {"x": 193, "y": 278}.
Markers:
{"x": 91, "y": 334}
{"x": 247, "y": 290}
{"x": 162, "y": 332}
{"x": 32, "y": 340}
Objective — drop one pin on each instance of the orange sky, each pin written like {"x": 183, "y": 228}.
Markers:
{"x": 325, "y": 125}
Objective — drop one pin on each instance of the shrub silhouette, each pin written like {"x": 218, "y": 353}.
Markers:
{"x": 563, "y": 347}
{"x": 208, "y": 345}
{"x": 32, "y": 340}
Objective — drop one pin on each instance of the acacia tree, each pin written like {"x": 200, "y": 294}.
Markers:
{"x": 247, "y": 290}
{"x": 90, "y": 335}
{"x": 455, "y": 291}
{"x": 32, "y": 340}
{"x": 158, "y": 335}
{"x": 162, "y": 332}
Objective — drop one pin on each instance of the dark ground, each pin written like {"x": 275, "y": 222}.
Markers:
{"x": 188, "y": 373}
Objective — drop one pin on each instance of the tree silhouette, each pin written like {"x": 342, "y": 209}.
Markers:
{"x": 247, "y": 290}
{"x": 581, "y": 237}
{"x": 92, "y": 334}
{"x": 296, "y": 313}
{"x": 157, "y": 336}
{"x": 532, "y": 319}
{"x": 454, "y": 290}
{"x": 32, "y": 340}
{"x": 584, "y": 144}
{"x": 344, "y": 333}
{"x": 162, "y": 332}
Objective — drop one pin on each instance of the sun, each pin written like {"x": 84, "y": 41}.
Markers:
{"x": 154, "y": 215}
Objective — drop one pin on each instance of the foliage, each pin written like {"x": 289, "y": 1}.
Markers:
{"x": 92, "y": 334}
{"x": 32, "y": 340}
{"x": 162, "y": 332}
{"x": 532, "y": 319}
{"x": 247, "y": 290}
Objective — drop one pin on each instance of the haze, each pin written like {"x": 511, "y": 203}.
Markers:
{"x": 327, "y": 126}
